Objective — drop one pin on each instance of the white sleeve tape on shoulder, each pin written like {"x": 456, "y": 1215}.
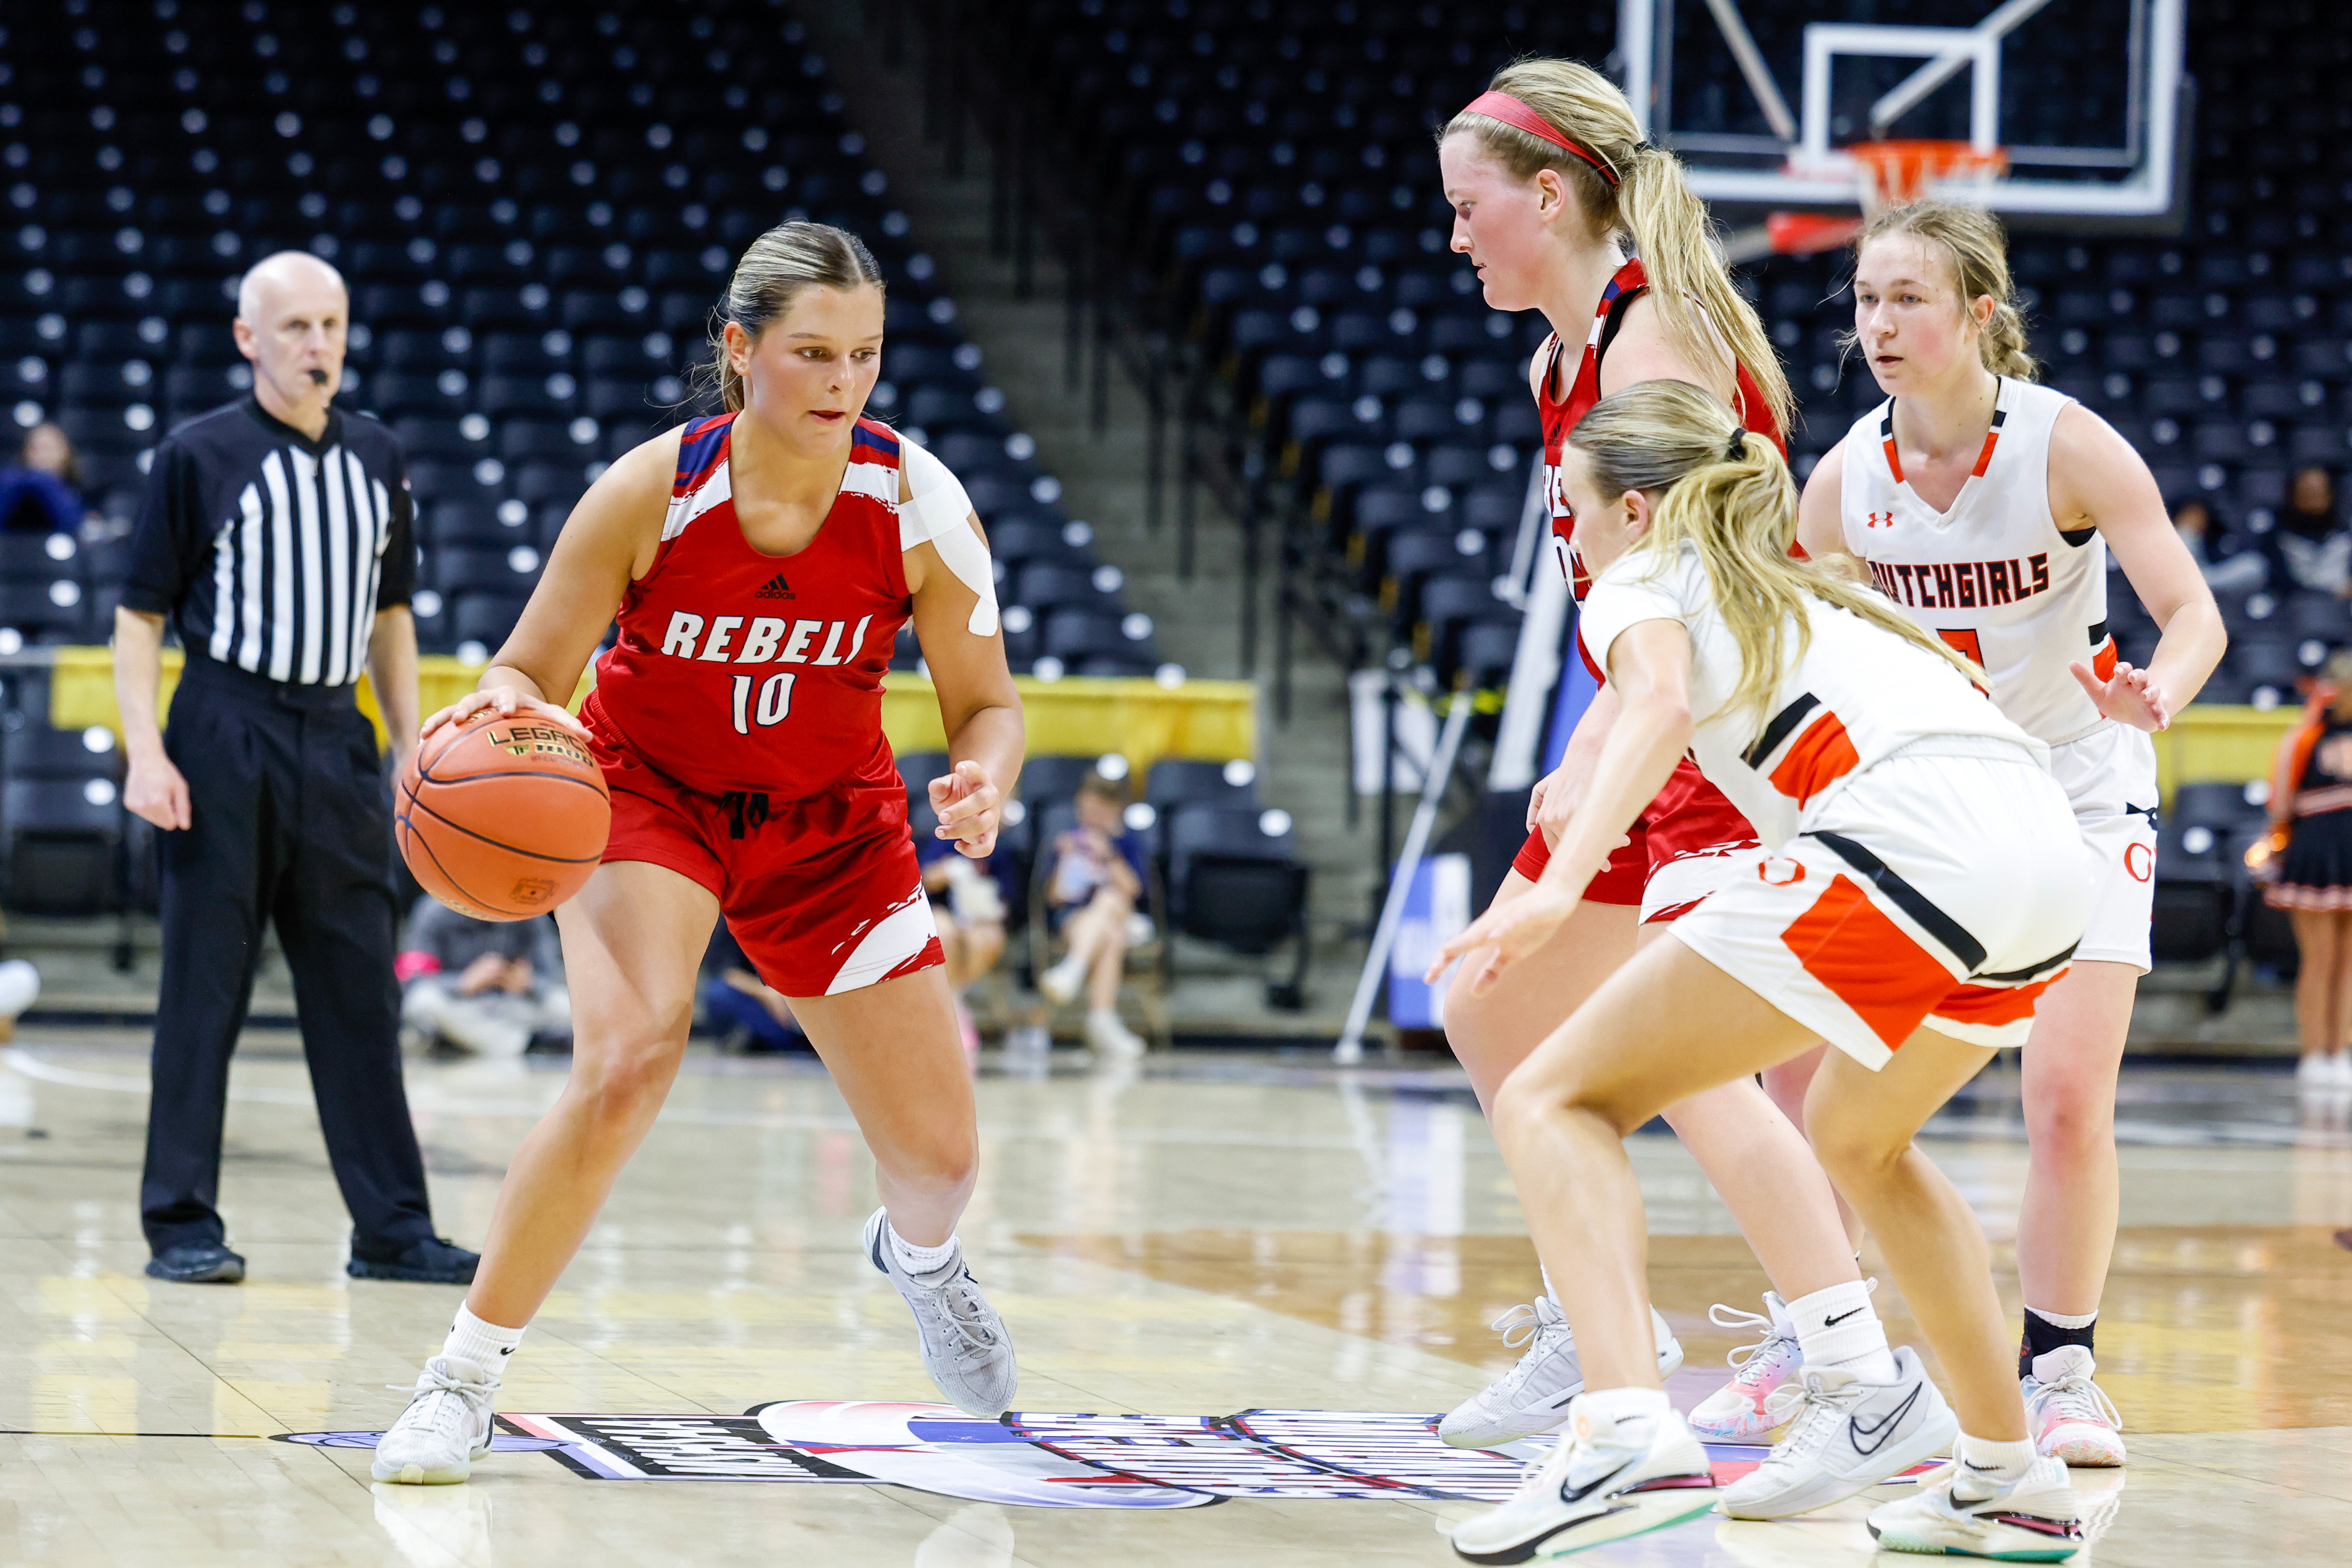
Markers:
{"x": 938, "y": 509}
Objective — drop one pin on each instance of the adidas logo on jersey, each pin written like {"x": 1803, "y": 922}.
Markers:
{"x": 775, "y": 588}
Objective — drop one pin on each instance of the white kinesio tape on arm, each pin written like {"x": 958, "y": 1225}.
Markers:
{"x": 938, "y": 509}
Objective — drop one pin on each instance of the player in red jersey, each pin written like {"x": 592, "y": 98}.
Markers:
{"x": 1548, "y": 175}
{"x": 758, "y": 565}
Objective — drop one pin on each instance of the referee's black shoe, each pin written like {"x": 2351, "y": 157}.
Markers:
{"x": 206, "y": 1263}
{"x": 433, "y": 1261}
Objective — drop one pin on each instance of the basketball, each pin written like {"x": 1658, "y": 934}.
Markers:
{"x": 503, "y": 818}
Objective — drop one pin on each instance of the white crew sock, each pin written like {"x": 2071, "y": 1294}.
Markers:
{"x": 2066, "y": 1320}
{"x": 1989, "y": 1463}
{"x": 919, "y": 1259}
{"x": 1620, "y": 1405}
{"x": 487, "y": 1345}
{"x": 1838, "y": 1327}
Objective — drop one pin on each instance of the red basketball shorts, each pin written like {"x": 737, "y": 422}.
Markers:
{"x": 824, "y": 894}
{"x": 1689, "y": 842}
{"x": 1944, "y": 887}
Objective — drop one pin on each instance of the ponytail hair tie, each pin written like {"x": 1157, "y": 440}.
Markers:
{"x": 1739, "y": 447}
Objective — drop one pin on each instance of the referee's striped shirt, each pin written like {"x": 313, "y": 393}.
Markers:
{"x": 272, "y": 552}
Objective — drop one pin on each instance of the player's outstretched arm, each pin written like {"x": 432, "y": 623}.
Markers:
{"x": 609, "y": 539}
{"x": 2097, "y": 480}
{"x": 1649, "y": 664}
{"x": 979, "y": 705}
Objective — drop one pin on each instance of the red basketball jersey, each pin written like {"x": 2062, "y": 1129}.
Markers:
{"x": 1561, "y": 413}
{"x": 741, "y": 672}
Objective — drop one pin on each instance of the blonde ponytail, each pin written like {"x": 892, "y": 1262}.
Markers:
{"x": 1971, "y": 239}
{"x": 1675, "y": 240}
{"x": 1635, "y": 190}
{"x": 1740, "y": 514}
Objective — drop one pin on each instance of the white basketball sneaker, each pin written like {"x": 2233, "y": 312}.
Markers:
{"x": 964, "y": 1345}
{"x": 1959, "y": 1513}
{"x": 1534, "y": 1395}
{"x": 2071, "y": 1418}
{"x": 1606, "y": 1478}
{"x": 444, "y": 1429}
{"x": 1844, "y": 1437}
{"x": 1735, "y": 1411}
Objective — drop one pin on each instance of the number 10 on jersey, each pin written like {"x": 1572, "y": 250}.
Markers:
{"x": 775, "y": 701}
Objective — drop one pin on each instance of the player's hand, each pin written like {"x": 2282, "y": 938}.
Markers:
{"x": 2128, "y": 698}
{"x": 971, "y": 809}
{"x": 154, "y": 790}
{"x": 1553, "y": 803}
{"x": 507, "y": 703}
{"x": 1505, "y": 933}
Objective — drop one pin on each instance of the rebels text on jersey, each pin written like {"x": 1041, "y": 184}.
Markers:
{"x": 735, "y": 670}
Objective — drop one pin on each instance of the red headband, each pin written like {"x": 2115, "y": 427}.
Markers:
{"x": 1502, "y": 106}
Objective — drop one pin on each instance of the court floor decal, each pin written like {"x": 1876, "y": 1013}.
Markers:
{"x": 1048, "y": 1461}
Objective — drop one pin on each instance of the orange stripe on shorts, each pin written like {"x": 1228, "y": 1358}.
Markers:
{"x": 1992, "y": 1005}
{"x": 1822, "y": 755}
{"x": 1867, "y": 961}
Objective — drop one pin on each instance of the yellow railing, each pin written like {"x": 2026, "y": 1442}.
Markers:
{"x": 1078, "y": 716}
{"x": 1081, "y": 716}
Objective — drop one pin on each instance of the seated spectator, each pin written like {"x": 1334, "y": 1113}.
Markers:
{"x": 739, "y": 1006}
{"x": 2309, "y": 543}
{"x": 40, "y": 493}
{"x": 2227, "y": 570}
{"x": 1096, "y": 888}
{"x": 489, "y": 987}
{"x": 971, "y": 924}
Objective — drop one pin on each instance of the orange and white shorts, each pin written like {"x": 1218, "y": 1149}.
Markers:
{"x": 1944, "y": 886}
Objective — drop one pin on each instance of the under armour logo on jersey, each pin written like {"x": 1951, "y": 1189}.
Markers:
{"x": 1880, "y": 520}
{"x": 775, "y": 588}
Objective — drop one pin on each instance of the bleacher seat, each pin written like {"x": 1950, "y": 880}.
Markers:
{"x": 518, "y": 327}
{"x": 1233, "y": 876}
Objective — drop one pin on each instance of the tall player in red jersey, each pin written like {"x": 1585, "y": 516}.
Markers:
{"x": 759, "y": 566}
{"x": 1548, "y": 177}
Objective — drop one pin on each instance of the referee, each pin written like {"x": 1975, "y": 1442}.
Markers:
{"x": 277, "y": 543}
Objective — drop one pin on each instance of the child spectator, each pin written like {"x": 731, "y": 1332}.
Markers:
{"x": 489, "y": 987}
{"x": 1097, "y": 888}
{"x": 739, "y": 1007}
{"x": 971, "y": 924}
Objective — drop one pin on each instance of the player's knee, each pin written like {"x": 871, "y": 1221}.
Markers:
{"x": 624, "y": 1084}
{"x": 1517, "y": 1108}
{"x": 1853, "y": 1151}
{"x": 1528, "y": 1101}
{"x": 2063, "y": 1125}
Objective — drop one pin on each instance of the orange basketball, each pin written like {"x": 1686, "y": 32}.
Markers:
{"x": 503, "y": 818}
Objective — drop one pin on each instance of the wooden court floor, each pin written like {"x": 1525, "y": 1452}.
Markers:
{"x": 1238, "y": 1287}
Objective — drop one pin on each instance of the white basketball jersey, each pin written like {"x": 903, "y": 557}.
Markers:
{"x": 1857, "y": 694}
{"x": 1993, "y": 576}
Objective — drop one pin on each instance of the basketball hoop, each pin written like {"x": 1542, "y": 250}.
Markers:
{"x": 1893, "y": 173}
{"x": 1887, "y": 175}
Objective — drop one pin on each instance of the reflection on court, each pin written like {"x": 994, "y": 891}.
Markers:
{"x": 1213, "y": 1237}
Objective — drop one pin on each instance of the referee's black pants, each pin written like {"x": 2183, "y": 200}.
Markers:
{"x": 288, "y": 821}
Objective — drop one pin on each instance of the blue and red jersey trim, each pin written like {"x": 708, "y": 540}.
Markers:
{"x": 701, "y": 448}
{"x": 879, "y": 439}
